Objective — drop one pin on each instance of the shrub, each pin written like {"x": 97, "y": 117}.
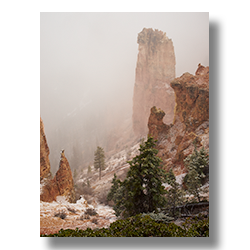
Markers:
{"x": 95, "y": 221}
{"x": 72, "y": 210}
{"x": 141, "y": 226}
{"x": 90, "y": 211}
{"x": 197, "y": 226}
{"x": 60, "y": 214}
{"x": 84, "y": 217}
{"x": 159, "y": 217}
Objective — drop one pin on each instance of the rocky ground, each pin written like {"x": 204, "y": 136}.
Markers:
{"x": 75, "y": 215}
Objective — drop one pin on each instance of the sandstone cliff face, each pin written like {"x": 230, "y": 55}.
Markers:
{"x": 191, "y": 120}
{"x": 62, "y": 183}
{"x": 155, "y": 70}
{"x": 44, "y": 154}
{"x": 192, "y": 98}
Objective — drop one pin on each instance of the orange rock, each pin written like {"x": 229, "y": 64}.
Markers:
{"x": 62, "y": 184}
{"x": 192, "y": 98}
{"x": 191, "y": 120}
{"x": 155, "y": 123}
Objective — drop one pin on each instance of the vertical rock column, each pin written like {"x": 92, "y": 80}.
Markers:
{"x": 155, "y": 70}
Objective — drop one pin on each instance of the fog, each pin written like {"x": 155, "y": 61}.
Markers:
{"x": 87, "y": 72}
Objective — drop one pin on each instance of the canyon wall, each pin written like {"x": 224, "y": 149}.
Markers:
{"x": 191, "y": 120}
{"x": 155, "y": 70}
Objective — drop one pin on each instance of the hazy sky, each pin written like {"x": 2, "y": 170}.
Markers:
{"x": 93, "y": 55}
{"x": 87, "y": 69}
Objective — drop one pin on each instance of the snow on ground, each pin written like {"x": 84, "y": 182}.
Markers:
{"x": 74, "y": 215}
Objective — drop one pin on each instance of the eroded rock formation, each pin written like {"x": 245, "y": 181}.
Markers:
{"x": 62, "y": 184}
{"x": 156, "y": 125}
{"x": 64, "y": 179}
{"x": 191, "y": 120}
{"x": 155, "y": 70}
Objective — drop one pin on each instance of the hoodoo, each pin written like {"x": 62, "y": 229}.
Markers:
{"x": 62, "y": 184}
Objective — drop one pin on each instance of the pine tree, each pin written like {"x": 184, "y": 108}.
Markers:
{"x": 116, "y": 194}
{"x": 142, "y": 190}
{"x": 175, "y": 195}
{"x": 99, "y": 160}
{"x": 197, "y": 164}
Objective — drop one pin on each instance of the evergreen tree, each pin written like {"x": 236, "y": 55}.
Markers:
{"x": 142, "y": 190}
{"x": 197, "y": 164}
{"x": 175, "y": 195}
{"x": 116, "y": 194}
{"x": 99, "y": 160}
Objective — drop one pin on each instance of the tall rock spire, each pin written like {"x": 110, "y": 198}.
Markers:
{"x": 155, "y": 70}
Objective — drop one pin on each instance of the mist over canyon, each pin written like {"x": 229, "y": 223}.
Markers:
{"x": 89, "y": 68}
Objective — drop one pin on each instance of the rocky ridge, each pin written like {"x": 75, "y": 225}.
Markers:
{"x": 191, "y": 120}
{"x": 155, "y": 70}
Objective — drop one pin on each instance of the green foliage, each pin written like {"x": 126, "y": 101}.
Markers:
{"x": 116, "y": 195}
{"x": 141, "y": 226}
{"x": 159, "y": 217}
{"x": 142, "y": 190}
{"x": 198, "y": 161}
{"x": 197, "y": 227}
{"x": 175, "y": 195}
{"x": 197, "y": 164}
{"x": 99, "y": 160}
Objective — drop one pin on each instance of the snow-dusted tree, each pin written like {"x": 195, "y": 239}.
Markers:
{"x": 197, "y": 165}
{"x": 175, "y": 195}
{"x": 116, "y": 194}
{"x": 142, "y": 190}
{"x": 99, "y": 160}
